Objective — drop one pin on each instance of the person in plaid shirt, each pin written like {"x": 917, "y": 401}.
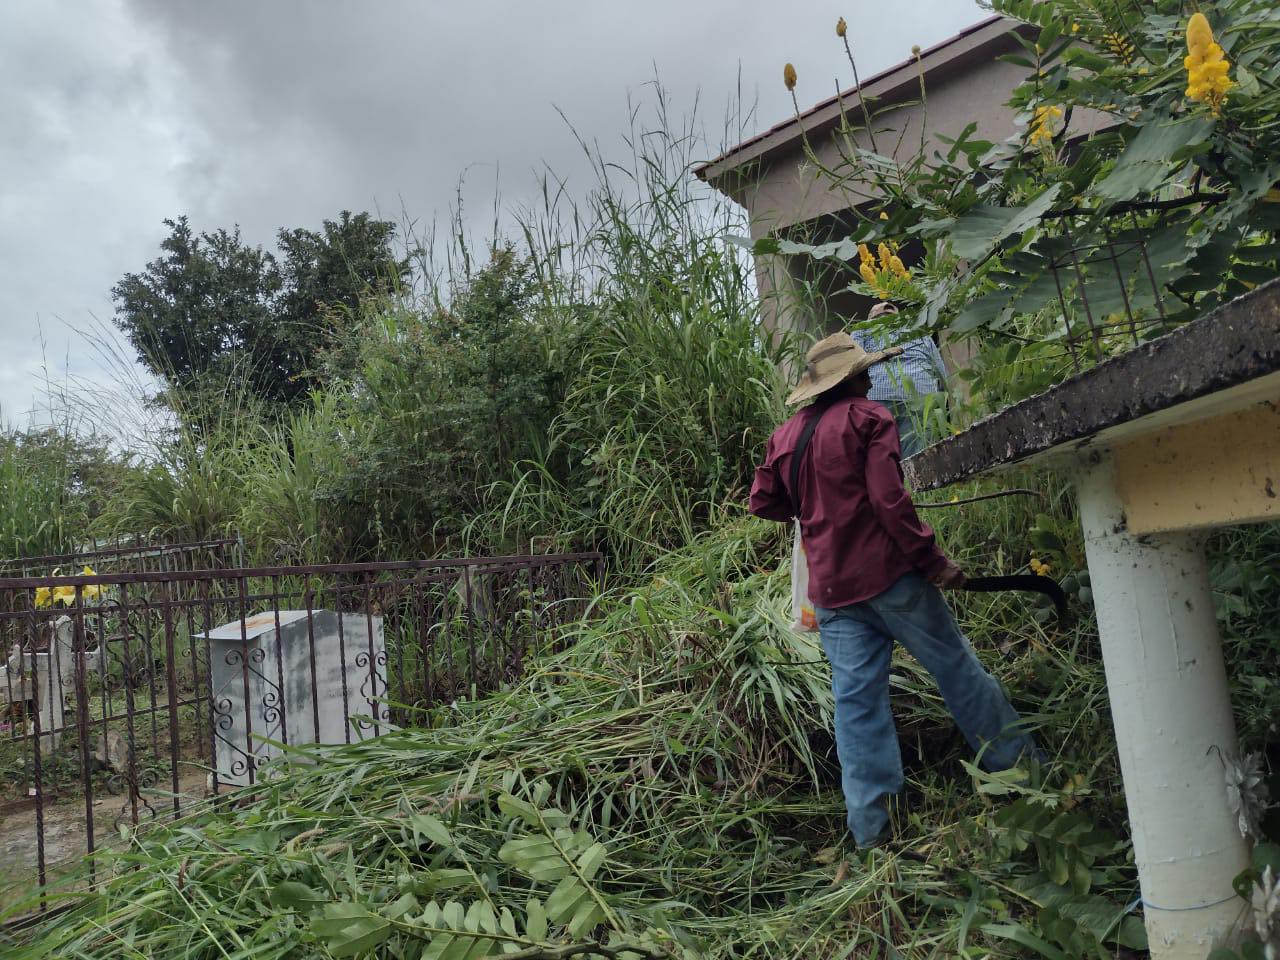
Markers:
{"x": 901, "y": 384}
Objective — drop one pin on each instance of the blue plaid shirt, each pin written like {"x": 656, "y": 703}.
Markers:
{"x": 918, "y": 371}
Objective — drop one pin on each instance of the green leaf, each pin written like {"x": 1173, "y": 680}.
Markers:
{"x": 982, "y": 312}
{"x": 425, "y": 825}
{"x": 1126, "y": 181}
{"x": 536, "y": 920}
{"x": 1267, "y": 855}
{"x": 537, "y": 857}
{"x": 590, "y": 861}
{"x": 1046, "y": 540}
{"x": 1132, "y": 933}
{"x": 977, "y": 232}
{"x": 1060, "y": 872}
{"x": 1150, "y": 156}
{"x": 1247, "y": 86}
{"x": 455, "y": 931}
{"x": 291, "y": 895}
{"x": 568, "y": 900}
{"x": 1023, "y": 937}
{"x": 520, "y": 809}
{"x": 349, "y": 929}
{"x": 1081, "y": 878}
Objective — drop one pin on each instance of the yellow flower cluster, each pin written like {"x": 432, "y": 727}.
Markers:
{"x": 882, "y": 275}
{"x": 1120, "y": 46}
{"x": 841, "y": 28}
{"x": 1207, "y": 66}
{"x": 1038, "y": 568}
{"x": 1042, "y": 131}
{"x": 47, "y": 597}
{"x": 789, "y": 76}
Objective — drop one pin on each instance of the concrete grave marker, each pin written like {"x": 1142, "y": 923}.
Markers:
{"x": 293, "y": 676}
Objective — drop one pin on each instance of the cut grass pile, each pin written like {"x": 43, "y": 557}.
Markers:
{"x": 663, "y": 784}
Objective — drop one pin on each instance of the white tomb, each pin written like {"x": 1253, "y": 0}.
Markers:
{"x": 294, "y": 677}
{"x": 43, "y": 678}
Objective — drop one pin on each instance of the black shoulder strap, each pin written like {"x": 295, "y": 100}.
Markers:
{"x": 798, "y": 454}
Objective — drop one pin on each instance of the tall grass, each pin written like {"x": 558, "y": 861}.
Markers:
{"x": 675, "y": 384}
{"x": 38, "y": 515}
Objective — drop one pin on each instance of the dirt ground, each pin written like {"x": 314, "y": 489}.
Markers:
{"x": 66, "y": 829}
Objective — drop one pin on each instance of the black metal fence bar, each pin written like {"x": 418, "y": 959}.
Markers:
{"x": 128, "y": 695}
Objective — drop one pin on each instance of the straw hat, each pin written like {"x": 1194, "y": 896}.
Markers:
{"x": 831, "y": 362}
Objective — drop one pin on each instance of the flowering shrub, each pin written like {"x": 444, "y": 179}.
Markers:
{"x": 1186, "y": 158}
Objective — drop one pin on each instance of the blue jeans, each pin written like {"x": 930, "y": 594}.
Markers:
{"x": 858, "y": 640}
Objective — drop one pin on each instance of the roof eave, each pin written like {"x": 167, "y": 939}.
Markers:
{"x": 881, "y": 86}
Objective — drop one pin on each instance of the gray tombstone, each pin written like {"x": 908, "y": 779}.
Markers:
{"x": 334, "y": 670}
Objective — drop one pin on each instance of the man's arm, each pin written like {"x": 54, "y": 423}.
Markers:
{"x": 897, "y": 514}
{"x": 769, "y": 498}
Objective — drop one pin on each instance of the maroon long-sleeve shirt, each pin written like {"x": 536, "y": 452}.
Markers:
{"x": 860, "y": 529}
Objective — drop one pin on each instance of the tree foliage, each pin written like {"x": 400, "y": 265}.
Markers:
{"x": 440, "y": 400}
{"x": 212, "y": 307}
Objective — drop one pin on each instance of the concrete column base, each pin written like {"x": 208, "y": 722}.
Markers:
{"x": 1172, "y": 715}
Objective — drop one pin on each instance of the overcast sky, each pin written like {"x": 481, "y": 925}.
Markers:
{"x": 269, "y": 113}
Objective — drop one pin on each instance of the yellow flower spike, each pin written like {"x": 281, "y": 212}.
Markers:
{"x": 1120, "y": 46}
{"x": 1199, "y": 33}
{"x": 899, "y": 268}
{"x": 841, "y": 28}
{"x": 789, "y": 76}
{"x": 1206, "y": 65}
{"x": 885, "y": 253}
{"x": 1042, "y": 124}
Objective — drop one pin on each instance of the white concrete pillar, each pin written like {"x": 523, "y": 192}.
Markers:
{"x": 1170, "y": 706}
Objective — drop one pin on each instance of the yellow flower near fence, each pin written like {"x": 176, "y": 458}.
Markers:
{"x": 65, "y": 596}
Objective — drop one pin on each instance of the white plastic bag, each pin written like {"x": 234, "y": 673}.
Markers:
{"x": 803, "y": 617}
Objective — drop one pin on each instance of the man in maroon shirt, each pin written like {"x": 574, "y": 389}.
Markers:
{"x": 874, "y": 574}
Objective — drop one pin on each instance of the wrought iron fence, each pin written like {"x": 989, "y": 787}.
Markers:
{"x": 1109, "y": 271}
{"x": 132, "y": 695}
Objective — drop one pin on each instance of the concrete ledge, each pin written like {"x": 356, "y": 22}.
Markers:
{"x": 1234, "y": 345}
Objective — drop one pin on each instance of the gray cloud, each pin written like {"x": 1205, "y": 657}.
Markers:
{"x": 119, "y": 113}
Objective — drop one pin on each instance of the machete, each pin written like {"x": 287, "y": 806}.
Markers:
{"x": 1027, "y": 582}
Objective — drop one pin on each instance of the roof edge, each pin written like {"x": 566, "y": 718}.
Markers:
{"x": 790, "y": 129}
